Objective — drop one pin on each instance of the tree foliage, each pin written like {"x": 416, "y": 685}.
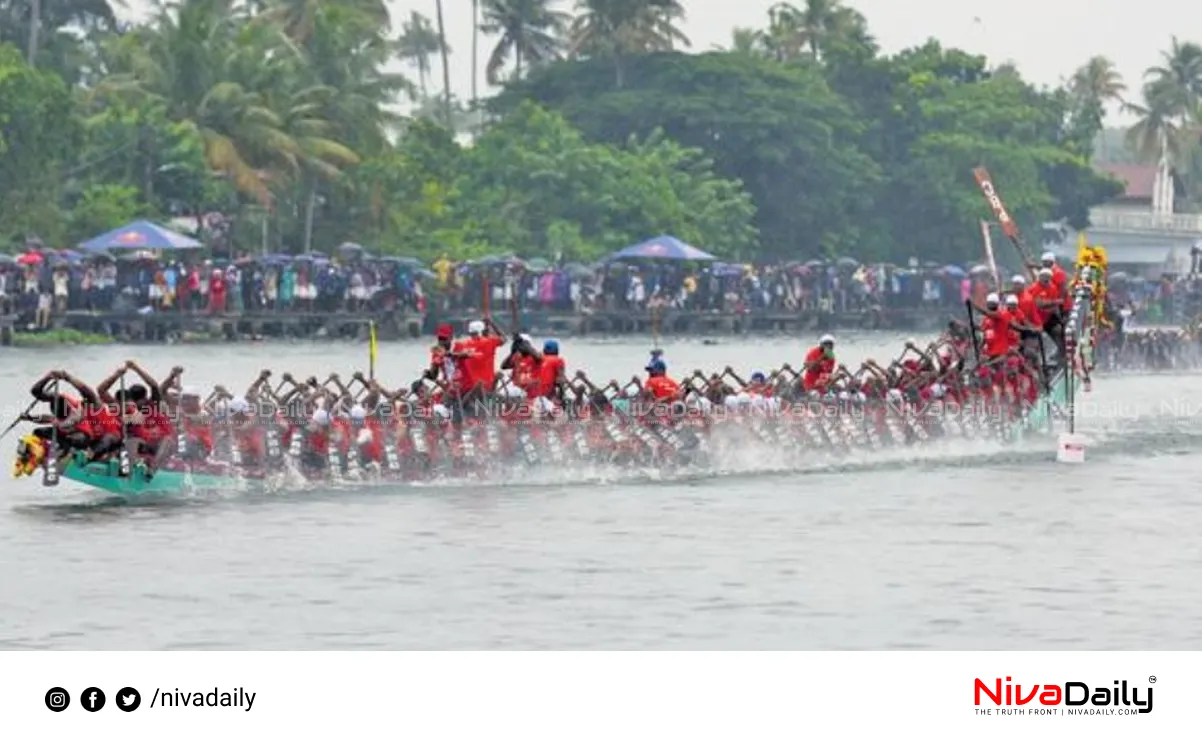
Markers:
{"x": 802, "y": 140}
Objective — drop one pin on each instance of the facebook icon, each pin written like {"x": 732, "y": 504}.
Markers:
{"x": 92, "y": 699}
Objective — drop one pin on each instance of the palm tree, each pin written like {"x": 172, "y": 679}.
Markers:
{"x": 621, "y": 28}
{"x": 814, "y": 26}
{"x": 446, "y": 64}
{"x": 1179, "y": 77}
{"x": 475, "y": 52}
{"x": 297, "y": 17}
{"x": 1094, "y": 85}
{"x": 746, "y": 41}
{"x": 418, "y": 40}
{"x": 531, "y": 31}
{"x": 1158, "y": 128}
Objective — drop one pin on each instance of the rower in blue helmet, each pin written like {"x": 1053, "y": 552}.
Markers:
{"x": 662, "y": 387}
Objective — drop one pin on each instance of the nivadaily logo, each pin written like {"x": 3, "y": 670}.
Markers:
{"x": 1072, "y": 698}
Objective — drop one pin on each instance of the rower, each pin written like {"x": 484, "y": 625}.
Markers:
{"x": 995, "y": 327}
{"x": 1049, "y": 302}
{"x": 1059, "y": 276}
{"x": 659, "y": 385}
{"x": 819, "y": 363}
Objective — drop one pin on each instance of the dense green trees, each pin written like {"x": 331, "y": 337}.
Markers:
{"x": 801, "y": 140}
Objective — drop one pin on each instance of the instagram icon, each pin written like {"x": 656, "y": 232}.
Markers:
{"x": 57, "y": 699}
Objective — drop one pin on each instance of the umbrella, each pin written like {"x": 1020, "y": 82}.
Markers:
{"x": 1119, "y": 277}
{"x": 978, "y": 269}
{"x": 578, "y": 270}
{"x": 349, "y": 249}
{"x": 425, "y": 273}
{"x": 664, "y": 247}
{"x": 846, "y": 262}
{"x": 102, "y": 256}
{"x": 815, "y": 263}
{"x": 70, "y": 256}
{"x": 540, "y": 265}
{"x": 7, "y": 258}
{"x": 140, "y": 234}
{"x": 29, "y": 259}
{"x": 954, "y": 271}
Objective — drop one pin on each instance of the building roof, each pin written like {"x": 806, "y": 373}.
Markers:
{"x": 1139, "y": 179}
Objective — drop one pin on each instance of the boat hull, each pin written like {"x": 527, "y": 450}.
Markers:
{"x": 167, "y": 481}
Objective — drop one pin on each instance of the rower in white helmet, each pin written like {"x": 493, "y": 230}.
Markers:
{"x": 819, "y": 363}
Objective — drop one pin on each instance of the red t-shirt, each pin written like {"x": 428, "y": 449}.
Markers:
{"x": 548, "y": 373}
{"x": 825, "y": 367}
{"x": 663, "y": 388}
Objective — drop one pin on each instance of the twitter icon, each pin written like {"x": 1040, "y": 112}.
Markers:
{"x": 128, "y": 699}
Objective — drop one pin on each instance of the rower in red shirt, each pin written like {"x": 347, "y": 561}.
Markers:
{"x": 551, "y": 373}
{"x": 442, "y": 358}
{"x": 996, "y": 328}
{"x": 659, "y": 385}
{"x": 819, "y": 363}
{"x": 1059, "y": 279}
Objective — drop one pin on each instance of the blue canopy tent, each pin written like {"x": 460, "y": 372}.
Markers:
{"x": 141, "y": 235}
{"x": 664, "y": 247}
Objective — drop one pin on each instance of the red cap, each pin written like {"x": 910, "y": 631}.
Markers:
{"x": 445, "y": 331}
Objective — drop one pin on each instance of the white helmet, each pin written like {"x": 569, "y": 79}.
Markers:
{"x": 321, "y": 417}
{"x": 358, "y": 413}
{"x": 475, "y": 327}
{"x": 828, "y": 338}
{"x": 1018, "y": 279}
{"x": 190, "y": 392}
{"x": 992, "y": 298}
{"x": 239, "y": 405}
{"x": 1011, "y": 300}
{"x": 1045, "y": 273}
{"x": 526, "y": 337}
{"x": 1048, "y": 256}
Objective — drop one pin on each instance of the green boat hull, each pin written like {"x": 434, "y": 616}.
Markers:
{"x": 106, "y": 476}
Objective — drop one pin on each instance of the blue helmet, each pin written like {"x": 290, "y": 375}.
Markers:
{"x": 758, "y": 376}
{"x": 551, "y": 347}
{"x": 657, "y": 366}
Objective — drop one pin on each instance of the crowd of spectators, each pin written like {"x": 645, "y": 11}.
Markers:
{"x": 41, "y": 283}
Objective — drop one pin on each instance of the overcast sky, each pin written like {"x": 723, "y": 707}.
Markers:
{"x": 1045, "y": 46}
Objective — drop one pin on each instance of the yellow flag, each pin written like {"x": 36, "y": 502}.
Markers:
{"x": 371, "y": 350}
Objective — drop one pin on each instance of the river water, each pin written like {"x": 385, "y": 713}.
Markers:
{"x": 969, "y": 546}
